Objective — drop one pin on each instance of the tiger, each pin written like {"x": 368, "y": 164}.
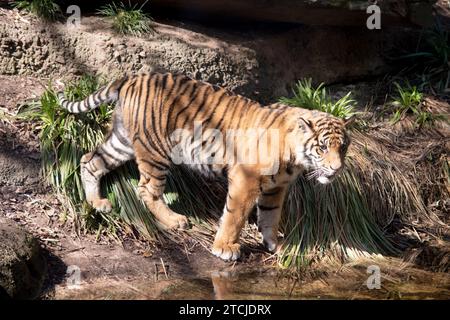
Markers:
{"x": 150, "y": 107}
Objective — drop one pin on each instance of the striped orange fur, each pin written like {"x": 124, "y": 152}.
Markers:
{"x": 150, "y": 108}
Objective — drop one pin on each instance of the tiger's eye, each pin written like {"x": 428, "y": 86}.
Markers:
{"x": 323, "y": 147}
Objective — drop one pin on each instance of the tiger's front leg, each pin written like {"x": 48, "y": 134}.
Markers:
{"x": 269, "y": 208}
{"x": 243, "y": 191}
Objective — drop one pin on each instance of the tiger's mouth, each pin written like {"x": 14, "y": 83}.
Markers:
{"x": 321, "y": 175}
{"x": 325, "y": 179}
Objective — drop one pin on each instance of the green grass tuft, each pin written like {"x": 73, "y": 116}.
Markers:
{"x": 46, "y": 9}
{"x": 128, "y": 19}
{"x": 308, "y": 97}
{"x": 409, "y": 100}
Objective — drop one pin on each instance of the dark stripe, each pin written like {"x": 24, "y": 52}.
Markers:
{"x": 155, "y": 164}
{"x": 102, "y": 149}
{"x": 137, "y": 98}
{"x": 148, "y": 137}
{"x": 163, "y": 98}
{"x": 271, "y": 192}
{"x": 267, "y": 114}
{"x": 200, "y": 107}
{"x": 267, "y": 208}
{"x": 122, "y": 139}
{"x": 232, "y": 102}
{"x": 157, "y": 122}
{"x": 91, "y": 101}
{"x": 256, "y": 113}
{"x": 275, "y": 118}
{"x": 224, "y": 171}
{"x": 121, "y": 151}
{"x": 84, "y": 106}
{"x": 150, "y": 107}
{"x": 186, "y": 81}
{"x": 134, "y": 105}
{"x": 158, "y": 185}
{"x": 137, "y": 138}
{"x": 160, "y": 178}
{"x": 107, "y": 165}
{"x": 90, "y": 172}
{"x": 97, "y": 99}
{"x": 305, "y": 144}
{"x": 289, "y": 170}
{"x": 213, "y": 108}
{"x": 228, "y": 209}
{"x": 186, "y": 107}
{"x": 76, "y": 107}
{"x": 108, "y": 93}
{"x": 244, "y": 109}
{"x": 137, "y": 108}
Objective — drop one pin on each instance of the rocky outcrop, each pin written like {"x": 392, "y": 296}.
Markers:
{"x": 22, "y": 266}
{"x": 262, "y": 65}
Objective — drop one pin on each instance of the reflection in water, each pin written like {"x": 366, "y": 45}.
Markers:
{"x": 222, "y": 285}
{"x": 351, "y": 284}
{"x": 346, "y": 285}
{"x": 256, "y": 285}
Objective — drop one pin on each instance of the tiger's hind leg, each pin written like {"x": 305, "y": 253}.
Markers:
{"x": 114, "y": 152}
{"x": 151, "y": 189}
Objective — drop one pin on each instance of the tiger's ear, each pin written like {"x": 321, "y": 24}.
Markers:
{"x": 306, "y": 125}
{"x": 349, "y": 121}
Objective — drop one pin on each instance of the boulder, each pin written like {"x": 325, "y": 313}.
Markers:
{"x": 22, "y": 266}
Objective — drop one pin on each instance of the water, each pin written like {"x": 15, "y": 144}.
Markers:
{"x": 248, "y": 286}
{"x": 345, "y": 283}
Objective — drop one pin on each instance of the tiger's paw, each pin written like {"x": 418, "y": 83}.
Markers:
{"x": 102, "y": 205}
{"x": 226, "y": 251}
{"x": 271, "y": 244}
{"x": 270, "y": 239}
{"x": 176, "y": 221}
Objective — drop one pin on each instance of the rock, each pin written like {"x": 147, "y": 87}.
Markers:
{"x": 116, "y": 55}
{"x": 22, "y": 266}
{"x": 60, "y": 59}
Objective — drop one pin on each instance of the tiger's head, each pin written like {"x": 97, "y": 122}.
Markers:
{"x": 325, "y": 146}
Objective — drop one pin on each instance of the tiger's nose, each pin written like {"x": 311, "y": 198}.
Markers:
{"x": 336, "y": 167}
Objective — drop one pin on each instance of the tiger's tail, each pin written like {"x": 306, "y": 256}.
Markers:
{"x": 107, "y": 94}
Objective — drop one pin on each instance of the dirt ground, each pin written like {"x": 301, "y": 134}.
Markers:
{"x": 134, "y": 269}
